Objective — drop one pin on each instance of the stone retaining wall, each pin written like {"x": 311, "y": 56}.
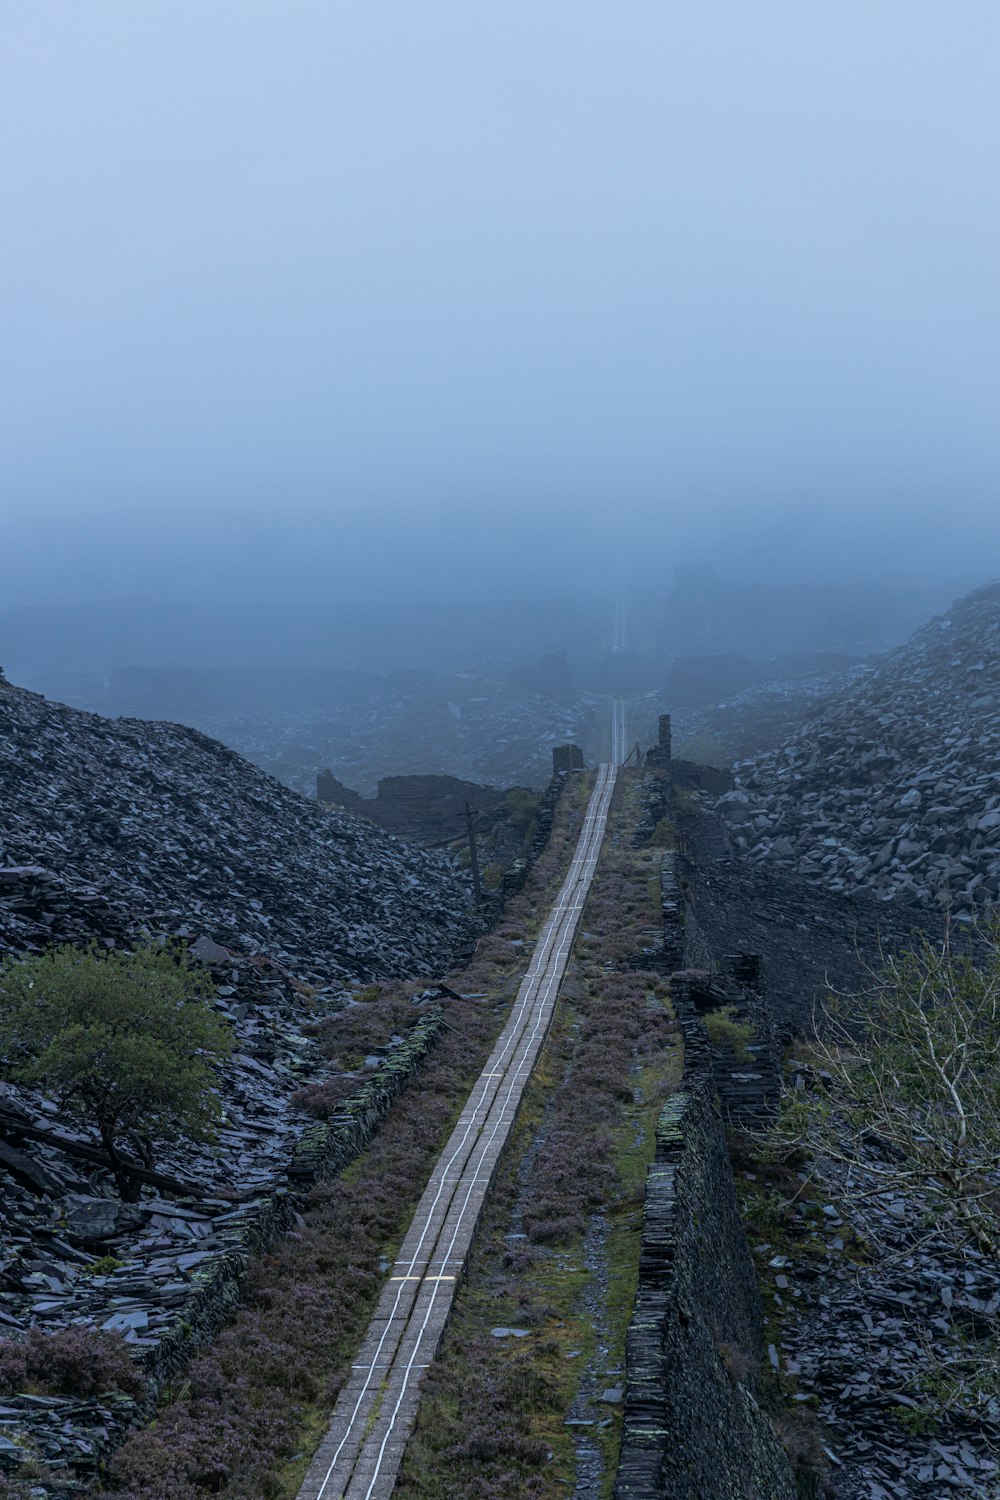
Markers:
{"x": 492, "y": 905}
{"x": 322, "y": 1150}
{"x": 692, "y": 1427}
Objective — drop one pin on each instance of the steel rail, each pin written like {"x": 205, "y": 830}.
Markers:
{"x": 618, "y": 731}
{"x": 543, "y": 1016}
{"x": 361, "y": 1453}
{"x": 555, "y": 937}
{"x": 496, "y": 1069}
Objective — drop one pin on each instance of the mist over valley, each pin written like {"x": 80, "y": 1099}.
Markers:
{"x": 499, "y": 726}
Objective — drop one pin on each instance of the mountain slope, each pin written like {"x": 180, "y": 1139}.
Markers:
{"x": 895, "y": 786}
{"x": 108, "y": 826}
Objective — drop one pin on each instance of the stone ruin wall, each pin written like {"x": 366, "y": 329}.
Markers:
{"x": 692, "y": 1431}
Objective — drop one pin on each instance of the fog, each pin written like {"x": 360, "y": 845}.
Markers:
{"x": 469, "y": 301}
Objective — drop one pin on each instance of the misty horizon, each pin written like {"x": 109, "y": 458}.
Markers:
{"x": 403, "y": 305}
{"x": 499, "y": 749}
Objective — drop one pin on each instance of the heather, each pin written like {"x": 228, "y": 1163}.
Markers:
{"x": 575, "y": 1170}
{"x": 78, "y": 1361}
{"x": 379, "y": 1017}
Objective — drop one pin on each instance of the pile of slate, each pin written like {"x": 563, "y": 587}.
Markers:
{"x": 164, "y": 1270}
{"x": 109, "y": 827}
{"x": 894, "y": 787}
{"x": 872, "y": 1342}
{"x": 110, "y": 830}
{"x": 760, "y": 718}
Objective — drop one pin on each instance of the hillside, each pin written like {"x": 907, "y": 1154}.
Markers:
{"x": 110, "y": 826}
{"x": 894, "y": 787}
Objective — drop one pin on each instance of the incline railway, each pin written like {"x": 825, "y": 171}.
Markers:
{"x": 618, "y": 731}
{"x": 360, "y": 1455}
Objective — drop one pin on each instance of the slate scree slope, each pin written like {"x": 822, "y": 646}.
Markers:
{"x": 111, "y": 826}
{"x": 113, "y": 830}
{"x": 894, "y": 787}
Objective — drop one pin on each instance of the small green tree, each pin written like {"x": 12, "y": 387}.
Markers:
{"x": 726, "y": 1032}
{"x": 907, "y": 1096}
{"x": 125, "y": 1040}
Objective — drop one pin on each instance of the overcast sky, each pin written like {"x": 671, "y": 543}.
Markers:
{"x": 306, "y": 295}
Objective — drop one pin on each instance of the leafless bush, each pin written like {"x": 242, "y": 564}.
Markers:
{"x": 905, "y": 1089}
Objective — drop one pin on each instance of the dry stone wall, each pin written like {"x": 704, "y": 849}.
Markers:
{"x": 693, "y": 1427}
{"x": 692, "y": 1431}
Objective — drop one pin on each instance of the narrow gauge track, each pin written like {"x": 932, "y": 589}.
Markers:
{"x": 618, "y": 731}
{"x": 360, "y": 1455}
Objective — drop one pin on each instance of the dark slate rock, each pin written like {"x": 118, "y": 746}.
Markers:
{"x": 111, "y": 826}
{"x": 893, "y": 787}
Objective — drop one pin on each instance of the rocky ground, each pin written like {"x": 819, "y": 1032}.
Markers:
{"x": 108, "y": 827}
{"x": 60, "y": 1213}
{"x": 875, "y": 1325}
{"x": 110, "y": 830}
{"x": 888, "y": 1333}
{"x": 893, "y": 788}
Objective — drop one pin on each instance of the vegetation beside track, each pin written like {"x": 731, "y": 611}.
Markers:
{"x": 514, "y": 1413}
{"x": 254, "y": 1404}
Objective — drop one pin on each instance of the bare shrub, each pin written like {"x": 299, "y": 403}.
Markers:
{"x": 799, "y": 1433}
{"x": 906, "y": 1091}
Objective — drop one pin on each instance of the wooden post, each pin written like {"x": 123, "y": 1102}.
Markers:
{"x": 473, "y": 855}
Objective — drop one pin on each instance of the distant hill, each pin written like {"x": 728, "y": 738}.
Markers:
{"x": 710, "y": 616}
{"x": 449, "y": 636}
{"x": 196, "y": 691}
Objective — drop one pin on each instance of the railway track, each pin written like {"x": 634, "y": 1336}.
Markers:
{"x": 618, "y": 731}
{"x": 360, "y": 1455}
